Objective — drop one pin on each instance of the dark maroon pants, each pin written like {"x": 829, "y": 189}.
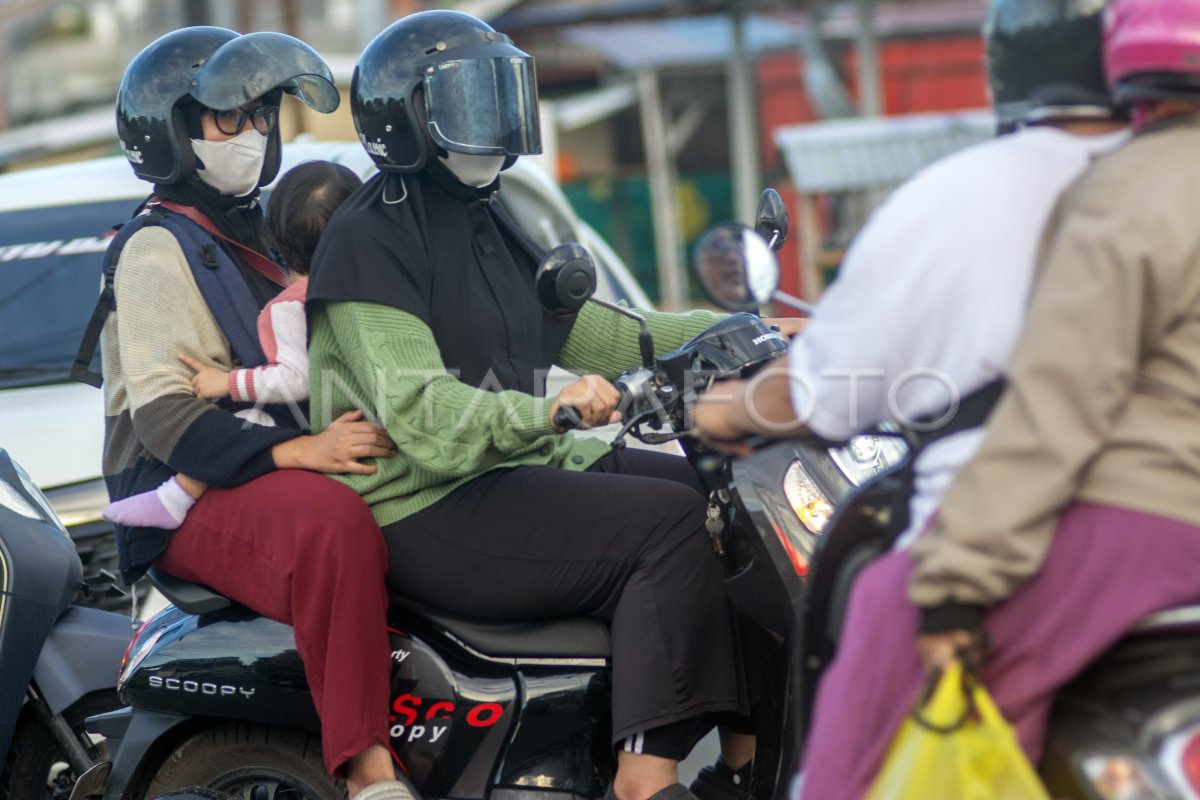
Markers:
{"x": 303, "y": 549}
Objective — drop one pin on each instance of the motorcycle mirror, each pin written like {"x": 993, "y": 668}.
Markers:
{"x": 771, "y": 219}
{"x": 566, "y": 279}
{"x": 736, "y": 268}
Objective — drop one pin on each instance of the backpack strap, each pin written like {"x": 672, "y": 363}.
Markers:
{"x": 217, "y": 276}
{"x": 972, "y": 412}
{"x": 81, "y": 368}
{"x": 261, "y": 264}
{"x": 223, "y": 288}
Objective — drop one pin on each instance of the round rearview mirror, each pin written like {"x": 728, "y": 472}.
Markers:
{"x": 736, "y": 267}
{"x": 566, "y": 279}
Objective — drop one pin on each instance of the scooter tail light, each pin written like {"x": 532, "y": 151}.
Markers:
{"x": 1190, "y": 761}
{"x": 136, "y": 635}
{"x": 139, "y": 649}
{"x": 799, "y": 562}
{"x": 1178, "y": 757}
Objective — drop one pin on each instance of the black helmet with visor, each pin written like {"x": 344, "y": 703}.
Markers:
{"x": 478, "y": 92}
{"x": 1045, "y": 61}
{"x": 218, "y": 69}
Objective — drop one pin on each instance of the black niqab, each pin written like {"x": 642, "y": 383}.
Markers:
{"x": 452, "y": 256}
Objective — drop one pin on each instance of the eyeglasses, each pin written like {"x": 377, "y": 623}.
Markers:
{"x": 232, "y": 122}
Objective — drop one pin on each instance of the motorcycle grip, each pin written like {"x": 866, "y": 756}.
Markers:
{"x": 566, "y": 418}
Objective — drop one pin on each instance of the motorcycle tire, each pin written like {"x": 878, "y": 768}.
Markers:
{"x": 36, "y": 767}
{"x": 238, "y": 758}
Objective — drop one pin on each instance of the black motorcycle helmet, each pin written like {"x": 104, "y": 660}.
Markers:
{"x": 479, "y": 92}
{"x": 219, "y": 69}
{"x": 1045, "y": 61}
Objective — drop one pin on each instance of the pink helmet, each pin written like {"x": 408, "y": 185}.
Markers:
{"x": 1152, "y": 49}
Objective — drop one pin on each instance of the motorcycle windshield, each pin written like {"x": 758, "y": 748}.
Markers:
{"x": 249, "y": 66}
{"x": 484, "y": 106}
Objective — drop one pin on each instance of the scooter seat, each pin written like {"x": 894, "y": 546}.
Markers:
{"x": 185, "y": 595}
{"x": 553, "y": 640}
{"x": 549, "y": 641}
{"x": 1181, "y": 619}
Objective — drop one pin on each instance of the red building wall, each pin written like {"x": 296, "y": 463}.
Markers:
{"x": 934, "y": 73}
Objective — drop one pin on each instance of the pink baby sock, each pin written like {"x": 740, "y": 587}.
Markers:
{"x": 164, "y": 508}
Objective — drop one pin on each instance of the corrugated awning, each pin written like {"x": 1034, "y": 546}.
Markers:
{"x": 683, "y": 41}
{"x": 858, "y": 154}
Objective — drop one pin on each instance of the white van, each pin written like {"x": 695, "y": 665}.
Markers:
{"x": 55, "y": 223}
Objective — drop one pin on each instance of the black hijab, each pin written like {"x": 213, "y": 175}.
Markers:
{"x": 452, "y": 256}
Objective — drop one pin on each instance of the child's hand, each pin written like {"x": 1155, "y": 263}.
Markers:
{"x": 209, "y": 383}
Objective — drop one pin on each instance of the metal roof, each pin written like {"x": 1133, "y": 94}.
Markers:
{"x": 708, "y": 39}
{"x": 856, "y": 154}
{"x": 935, "y": 14}
{"x": 541, "y": 13}
{"x": 683, "y": 41}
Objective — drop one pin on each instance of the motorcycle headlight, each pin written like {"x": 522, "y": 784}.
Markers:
{"x": 11, "y": 499}
{"x": 47, "y": 511}
{"x": 1119, "y": 776}
{"x": 809, "y": 503}
{"x": 867, "y": 455}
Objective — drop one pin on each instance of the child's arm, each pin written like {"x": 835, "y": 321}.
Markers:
{"x": 284, "y": 378}
{"x": 209, "y": 383}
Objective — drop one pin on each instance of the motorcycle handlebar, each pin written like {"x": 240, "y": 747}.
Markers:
{"x": 567, "y": 417}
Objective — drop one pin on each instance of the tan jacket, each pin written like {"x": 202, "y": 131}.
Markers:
{"x": 1104, "y": 397}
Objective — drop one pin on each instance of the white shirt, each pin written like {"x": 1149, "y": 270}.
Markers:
{"x": 931, "y": 296}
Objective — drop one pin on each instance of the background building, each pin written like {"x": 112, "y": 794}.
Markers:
{"x": 661, "y": 117}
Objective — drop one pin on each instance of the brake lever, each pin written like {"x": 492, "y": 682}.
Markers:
{"x": 626, "y": 427}
{"x": 660, "y": 438}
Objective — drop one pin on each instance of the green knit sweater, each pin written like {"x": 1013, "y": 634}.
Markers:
{"x": 386, "y": 362}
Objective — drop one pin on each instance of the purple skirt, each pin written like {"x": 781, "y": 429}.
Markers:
{"x": 1106, "y": 569}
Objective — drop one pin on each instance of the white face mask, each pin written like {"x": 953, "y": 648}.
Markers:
{"x": 477, "y": 171}
{"x": 233, "y": 166}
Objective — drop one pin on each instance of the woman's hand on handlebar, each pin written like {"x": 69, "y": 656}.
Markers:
{"x": 762, "y": 406}
{"x": 594, "y": 399}
{"x": 338, "y": 448}
{"x": 716, "y": 415}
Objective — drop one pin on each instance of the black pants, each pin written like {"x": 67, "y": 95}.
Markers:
{"x": 624, "y": 541}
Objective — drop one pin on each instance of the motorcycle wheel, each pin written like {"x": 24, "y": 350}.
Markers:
{"x": 249, "y": 762}
{"x": 36, "y": 767}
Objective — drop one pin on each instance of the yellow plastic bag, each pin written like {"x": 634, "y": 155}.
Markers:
{"x": 958, "y": 750}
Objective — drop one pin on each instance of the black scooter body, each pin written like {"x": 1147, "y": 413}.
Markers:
{"x": 501, "y": 711}
{"x": 1133, "y": 700}
{"x": 39, "y": 575}
{"x": 59, "y": 652}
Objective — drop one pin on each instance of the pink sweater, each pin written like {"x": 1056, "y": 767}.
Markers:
{"x": 283, "y": 334}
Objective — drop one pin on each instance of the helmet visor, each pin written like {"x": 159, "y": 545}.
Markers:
{"x": 484, "y": 106}
{"x": 249, "y": 66}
